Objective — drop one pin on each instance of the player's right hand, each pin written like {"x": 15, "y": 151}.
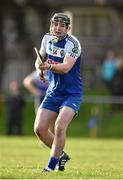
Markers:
{"x": 37, "y": 64}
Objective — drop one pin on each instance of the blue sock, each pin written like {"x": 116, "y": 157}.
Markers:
{"x": 52, "y": 163}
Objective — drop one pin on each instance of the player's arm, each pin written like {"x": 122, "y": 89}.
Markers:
{"x": 29, "y": 85}
{"x": 73, "y": 51}
{"x": 64, "y": 67}
{"x": 69, "y": 60}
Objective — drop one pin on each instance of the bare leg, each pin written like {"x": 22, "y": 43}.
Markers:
{"x": 64, "y": 118}
{"x": 42, "y": 123}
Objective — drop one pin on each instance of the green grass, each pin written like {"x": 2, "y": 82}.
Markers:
{"x": 25, "y": 157}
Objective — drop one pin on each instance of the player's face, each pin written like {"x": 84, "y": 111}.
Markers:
{"x": 59, "y": 29}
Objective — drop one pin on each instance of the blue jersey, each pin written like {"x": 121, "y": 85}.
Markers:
{"x": 55, "y": 51}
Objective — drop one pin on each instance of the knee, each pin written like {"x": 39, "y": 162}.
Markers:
{"x": 39, "y": 131}
{"x": 59, "y": 129}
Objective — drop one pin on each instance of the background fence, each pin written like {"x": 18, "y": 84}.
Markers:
{"x": 99, "y": 116}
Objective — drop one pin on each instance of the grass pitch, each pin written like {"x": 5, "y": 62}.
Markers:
{"x": 25, "y": 157}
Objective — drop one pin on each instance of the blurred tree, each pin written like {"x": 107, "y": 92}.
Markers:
{"x": 2, "y": 47}
{"x": 17, "y": 9}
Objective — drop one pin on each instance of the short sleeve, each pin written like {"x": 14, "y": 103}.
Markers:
{"x": 43, "y": 46}
{"x": 73, "y": 48}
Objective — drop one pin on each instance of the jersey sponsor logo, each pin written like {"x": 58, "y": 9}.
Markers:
{"x": 52, "y": 61}
{"x": 75, "y": 50}
{"x": 62, "y": 53}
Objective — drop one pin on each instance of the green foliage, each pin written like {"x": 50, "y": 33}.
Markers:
{"x": 24, "y": 158}
{"x": 3, "y": 116}
{"x": 109, "y": 125}
{"x": 29, "y": 117}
